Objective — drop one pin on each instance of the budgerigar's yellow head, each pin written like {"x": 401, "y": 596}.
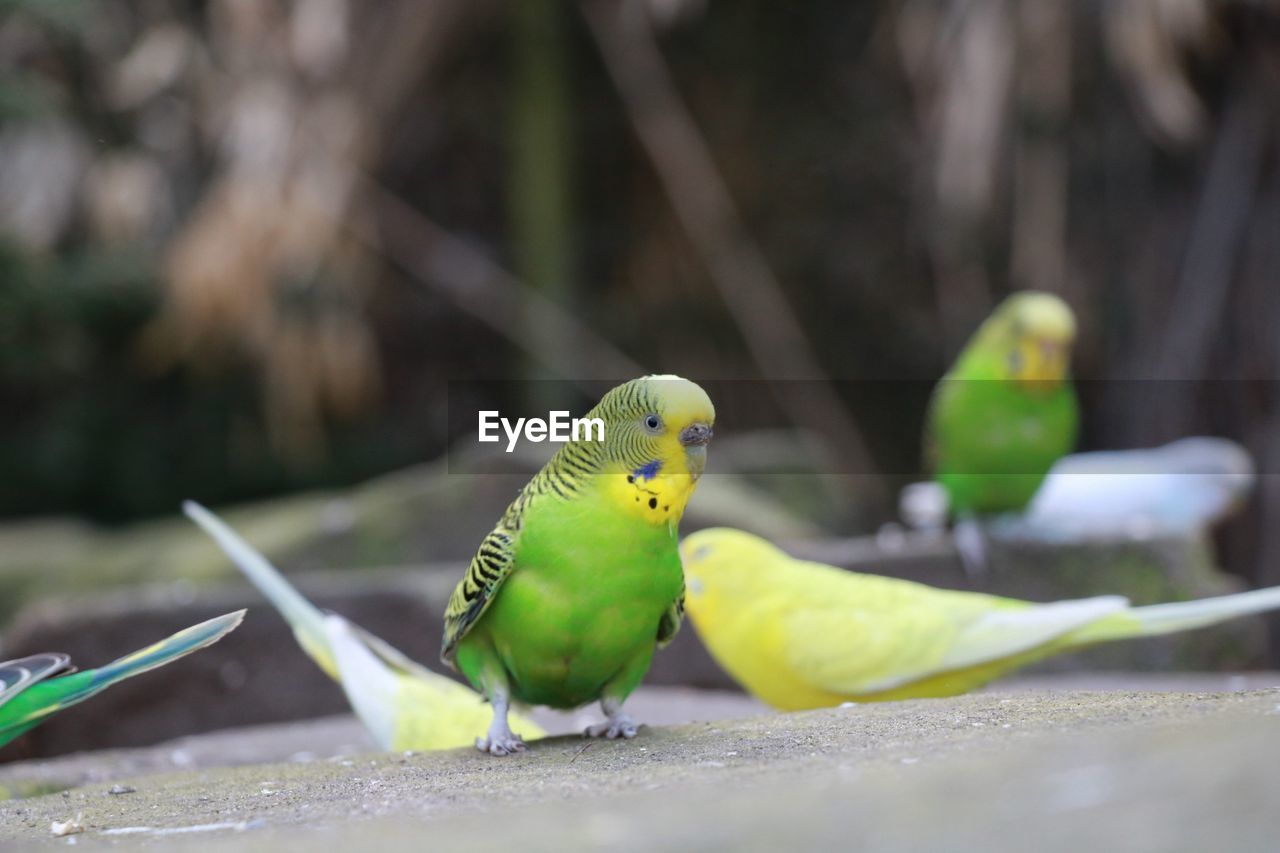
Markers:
{"x": 746, "y": 598}
{"x": 656, "y": 433}
{"x": 1028, "y": 339}
{"x": 723, "y": 571}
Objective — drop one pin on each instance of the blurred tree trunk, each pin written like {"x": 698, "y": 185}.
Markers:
{"x": 1040, "y": 168}
{"x": 538, "y": 201}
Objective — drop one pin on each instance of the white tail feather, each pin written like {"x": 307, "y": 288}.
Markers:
{"x": 1002, "y": 633}
{"x": 369, "y": 683}
{"x": 303, "y": 616}
{"x": 1158, "y": 619}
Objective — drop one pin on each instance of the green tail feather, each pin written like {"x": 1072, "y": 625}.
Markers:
{"x": 37, "y": 702}
{"x": 169, "y": 649}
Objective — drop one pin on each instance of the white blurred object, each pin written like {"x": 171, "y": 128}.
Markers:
{"x": 924, "y": 506}
{"x": 1182, "y": 487}
{"x": 891, "y": 537}
{"x": 1179, "y": 488}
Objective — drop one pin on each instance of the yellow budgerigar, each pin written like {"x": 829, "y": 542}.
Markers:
{"x": 801, "y": 635}
{"x": 403, "y": 704}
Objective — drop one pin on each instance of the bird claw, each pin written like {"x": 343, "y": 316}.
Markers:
{"x": 613, "y": 728}
{"x": 508, "y": 745}
{"x": 971, "y": 546}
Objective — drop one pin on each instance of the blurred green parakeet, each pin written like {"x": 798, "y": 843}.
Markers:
{"x": 403, "y": 704}
{"x": 798, "y": 634}
{"x": 1006, "y": 411}
{"x": 567, "y": 598}
{"x": 35, "y": 687}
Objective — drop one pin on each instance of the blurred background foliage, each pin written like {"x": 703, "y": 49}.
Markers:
{"x": 245, "y": 244}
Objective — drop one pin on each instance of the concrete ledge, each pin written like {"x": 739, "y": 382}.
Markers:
{"x": 1061, "y": 771}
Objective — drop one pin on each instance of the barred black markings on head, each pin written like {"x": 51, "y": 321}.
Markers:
{"x": 626, "y": 445}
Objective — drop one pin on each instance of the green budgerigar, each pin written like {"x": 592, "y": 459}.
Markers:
{"x": 36, "y": 687}
{"x": 1006, "y": 411}
{"x": 569, "y": 595}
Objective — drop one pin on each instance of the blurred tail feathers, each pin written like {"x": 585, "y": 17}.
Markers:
{"x": 403, "y": 704}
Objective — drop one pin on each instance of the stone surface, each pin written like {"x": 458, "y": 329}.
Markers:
{"x": 337, "y": 736}
{"x": 1061, "y": 771}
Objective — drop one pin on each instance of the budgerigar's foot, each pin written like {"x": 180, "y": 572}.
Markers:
{"x": 971, "y": 545}
{"x": 618, "y": 726}
{"x": 507, "y": 744}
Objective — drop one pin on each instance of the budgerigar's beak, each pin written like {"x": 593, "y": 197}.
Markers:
{"x": 696, "y": 435}
{"x": 1052, "y": 353}
{"x": 1044, "y": 362}
{"x": 695, "y": 438}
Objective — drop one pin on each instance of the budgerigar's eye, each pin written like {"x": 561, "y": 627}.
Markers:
{"x": 652, "y": 422}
